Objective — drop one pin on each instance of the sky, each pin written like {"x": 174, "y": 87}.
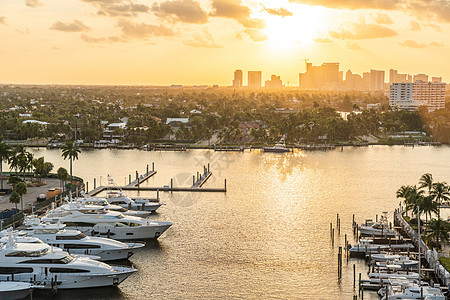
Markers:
{"x": 194, "y": 42}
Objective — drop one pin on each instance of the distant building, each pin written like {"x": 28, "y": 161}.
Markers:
{"x": 394, "y": 76}
{"x": 376, "y": 80}
{"x": 436, "y": 79}
{"x": 421, "y": 77}
{"x": 254, "y": 79}
{"x": 354, "y": 82}
{"x": 410, "y": 96}
{"x": 238, "y": 79}
{"x": 274, "y": 83}
{"x": 324, "y": 77}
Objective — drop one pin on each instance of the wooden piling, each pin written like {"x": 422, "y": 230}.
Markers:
{"x": 94, "y": 184}
{"x": 332, "y": 238}
{"x": 354, "y": 276}
{"x": 153, "y": 166}
{"x": 331, "y": 229}
{"x": 137, "y": 175}
{"x": 225, "y": 184}
{"x": 129, "y": 178}
{"x": 87, "y": 187}
{"x": 339, "y": 226}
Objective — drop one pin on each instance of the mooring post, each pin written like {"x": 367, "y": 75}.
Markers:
{"x": 339, "y": 226}
{"x": 171, "y": 183}
{"x": 153, "y": 166}
{"x": 225, "y": 184}
{"x": 332, "y": 238}
{"x": 345, "y": 242}
{"x": 94, "y": 184}
{"x": 87, "y": 187}
{"x": 129, "y": 178}
{"x": 193, "y": 180}
{"x": 137, "y": 175}
{"x": 147, "y": 169}
{"x": 331, "y": 228}
{"x": 354, "y": 276}
{"x": 337, "y": 218}
{"x": 359, "y": 285}
{"x": 197, "y": 176}
{"x": 157, "y": 194}
{"x": 208, "y": 167}
{"x": 139, "y": 184}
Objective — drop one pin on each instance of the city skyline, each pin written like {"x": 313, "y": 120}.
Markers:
{"x": 194, "y": 42}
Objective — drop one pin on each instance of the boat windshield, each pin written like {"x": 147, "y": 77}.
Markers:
{"x": 28, "y": 253}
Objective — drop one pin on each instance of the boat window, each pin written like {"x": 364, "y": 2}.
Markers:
{"x": 130, "y": 224}
{"x": 81, "y": 224}
{"x": 79, "y": 236}
{"x": 38, "y": 253}
{"x": 68, "y": 270}
{"x": 80, "y": 246}
{"x": 15, "y": 270}
{"x": 65, "y": 260}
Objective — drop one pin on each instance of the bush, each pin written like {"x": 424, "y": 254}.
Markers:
{"x": 14, "y": 179}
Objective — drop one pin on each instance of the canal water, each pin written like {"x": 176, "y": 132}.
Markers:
{"x": 268, "y": 237}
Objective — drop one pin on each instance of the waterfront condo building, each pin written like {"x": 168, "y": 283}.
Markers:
{"x": 274, "y": 83}
{"x": 238, "y": 79}
{"x": 410, "y": 96}
{"x": 254, "y": 79}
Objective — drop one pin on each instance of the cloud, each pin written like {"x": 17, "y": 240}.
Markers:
{"x": 360, "y": 31}
{"x": 33, "y": 3}
{"x": 414, "y": 26}
{"x": 90, "y": 39}
{"x": 322, "y": 40}
{"x": 412, "y": 44}
{"x": 202, "y": 40}
{"x": 353, "y": 4}
{"x": 282, "y": 12}
{"x": 256, "y": 35}
{"x": 75, "y": 26}
{"x": 354, "y": 46}
{"x": 142, "y": 30}
{"x": 118, "y": 8}
{"x": 436, "y": 44}
{"x": 383, "y": 19}
{"x": 234, "y": 9}
{"x": 187, "y": 11}
{"x": 3, "y": 20}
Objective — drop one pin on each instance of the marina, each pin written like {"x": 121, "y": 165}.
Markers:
{"x": 261, "y": 235}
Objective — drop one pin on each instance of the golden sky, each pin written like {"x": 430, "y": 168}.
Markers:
{"x": 204, "y": 41}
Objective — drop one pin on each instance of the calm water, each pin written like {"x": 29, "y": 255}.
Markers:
{"x": 268, "y": 236}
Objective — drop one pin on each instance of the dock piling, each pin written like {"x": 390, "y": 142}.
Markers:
{"x": 153, "y": 166}
{"x": 87, "y": 187}
{"x": 94, "y": 184}
{"x": 129, "y": 178}
{"x": 354, "y": 276}
{"x": 147, "y": 169}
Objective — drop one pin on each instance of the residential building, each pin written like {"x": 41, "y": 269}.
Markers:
{"x": 254, "y": 79}
{"x": 376, "y": 80}
{"x": 324, "y": 77}
{"x": 274, "y": 83}
{"x": 238, "y": 79}
{"x": 353, "y": 82}
{"x": 421, "y": 77}
{"x": 394, "y": 76}
{"x": 436, "y": 79}
{"x": 410, "y": 96}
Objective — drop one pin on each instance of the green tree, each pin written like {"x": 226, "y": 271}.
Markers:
{"x": 441, "y": 193}
{"x": 70, "y": 151}
{"x": 14, "y": 198}
{"x": 438, "y": 230}
{"x": 5, "y": 154}
{"x": 426, "y": 181}
{"x": 21, "y": 189}
{"x": 428, "y": 206}
{"x": 63, "y": 175}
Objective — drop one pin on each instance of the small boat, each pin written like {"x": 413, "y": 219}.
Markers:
{"x": 14, "y": 290}
{"x": 380, "y": 228}
{"x": 103, "y": 202}
{"x": 279, "y": 147}
{"x": 415, "y": 292}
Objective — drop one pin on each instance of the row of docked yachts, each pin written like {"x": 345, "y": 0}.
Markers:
{"x": 68, "y": 247}
{"x": 393, "y": 267}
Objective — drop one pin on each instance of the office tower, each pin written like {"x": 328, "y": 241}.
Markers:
{"x": 254, "y": 79}
{"x": 410, "y": 96}
{"x": 376, "y": 82}
{"x": 274, "y": 82}
{"x": 353, "y": 82}
{"x": 394, "y": 76}
{"x": 436, "y": 79}
{"x": 238, "y": 78}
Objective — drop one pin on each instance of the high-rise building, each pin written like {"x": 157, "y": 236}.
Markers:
{"x": 254, "y": 79}
{"x": 394, "y": 76}
{"x": 410, "y": 96}
{"x": 324, "y": 77}
{"x": 353, "y": 82}
{"x": 376, "y": 81}
{"x": 274, "y": 83}
{"x": 238, "y": 78}
{"x": 421, "y": 77}
{"x": 436, "y": 79}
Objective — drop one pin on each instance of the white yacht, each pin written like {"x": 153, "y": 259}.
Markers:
{"x": 379, "y": 228}
{"x": 279, "y": 147}
{"x": 51, "y": 267}
{"x": 96, "y": 221}
{"x": 415, "y": 292}
{"x": 76, "y": 242}
{"x": 120, "y": 198}
{"x": 14, "y": 290}
{"x": 112, "y": 207}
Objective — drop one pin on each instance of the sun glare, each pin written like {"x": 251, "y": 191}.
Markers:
{"x": 301, "y": 28}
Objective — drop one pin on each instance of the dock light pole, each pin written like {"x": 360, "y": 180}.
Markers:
{"x": 420, "y": 241}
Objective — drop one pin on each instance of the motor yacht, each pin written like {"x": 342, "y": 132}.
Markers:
{"x": 379, "y": 228}
{"x": 76, "y": 242}
{"x": 94, "y": 220}
{"x": 279, "y": 147}
{"x": 50, "y": 267}
{"x": 112, "y": 207}
{"x": 118, "y": 197}
{"x": 14, "y": 290}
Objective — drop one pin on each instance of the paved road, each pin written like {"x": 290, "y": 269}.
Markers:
{"x": 30, "y": 197}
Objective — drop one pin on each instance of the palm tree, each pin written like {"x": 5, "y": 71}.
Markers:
{"x": 5, "y": 154}
{"x": 426, "y": 181}
{"x": 14, "y": 198}
{"x": 14, "y": 159}
{"x": 21, "y": 189}
{"x": 438, "y": 230}
{"x": 62, "y": 176}
{"x": 441, "y": 193}
{"x": 428, "y": 206}
{"x": 413, "y": 197}
{"x": 70, "y": 151}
